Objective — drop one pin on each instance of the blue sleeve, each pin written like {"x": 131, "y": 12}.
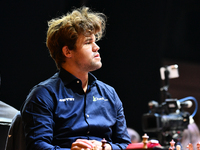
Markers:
{"x": 120, "y": 136}
{"x": 37, "y": 117}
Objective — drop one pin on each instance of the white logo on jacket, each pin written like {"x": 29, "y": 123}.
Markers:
{"x": 66, "y": 99}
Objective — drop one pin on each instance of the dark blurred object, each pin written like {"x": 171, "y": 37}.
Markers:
{"x": 0, "y": 83}
{"x": 7, "y": 112}
{"x": 16, "y": 135}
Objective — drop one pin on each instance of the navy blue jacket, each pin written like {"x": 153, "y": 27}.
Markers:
{"x": 57, "y": 112}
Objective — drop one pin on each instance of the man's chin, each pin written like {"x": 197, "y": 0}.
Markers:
{"x": 97, "y": 66}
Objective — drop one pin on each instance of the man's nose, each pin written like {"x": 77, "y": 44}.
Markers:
{"x": 95, "y": 47}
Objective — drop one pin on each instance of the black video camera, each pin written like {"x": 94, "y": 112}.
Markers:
{"x": 168, "y": 119}
{"x": 169, "y": 116}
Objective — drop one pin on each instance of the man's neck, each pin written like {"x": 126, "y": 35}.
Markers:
{"x": 83, "y": 76}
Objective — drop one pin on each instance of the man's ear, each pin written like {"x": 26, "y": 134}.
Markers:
{"x": 66, "y": 51}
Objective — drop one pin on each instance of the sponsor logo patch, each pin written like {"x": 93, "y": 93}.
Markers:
{"x": 66, "y": 99}
{"x": 99, "y": 99}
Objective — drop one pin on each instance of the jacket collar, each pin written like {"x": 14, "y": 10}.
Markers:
{"x": 68, "y": 78}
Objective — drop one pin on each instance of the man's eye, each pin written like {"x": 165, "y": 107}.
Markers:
{"x": 87, "y": 42}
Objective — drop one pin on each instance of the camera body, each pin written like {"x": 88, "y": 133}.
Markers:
{"x": 169, "y": 116}
{"x": 167, "y": 120}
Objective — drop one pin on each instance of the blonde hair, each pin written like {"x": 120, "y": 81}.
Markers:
{"x": 64, "y": 31}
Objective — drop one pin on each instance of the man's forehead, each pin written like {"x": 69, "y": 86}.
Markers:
{"x": 86, "y": 37}
{"x": 82, "y": 38}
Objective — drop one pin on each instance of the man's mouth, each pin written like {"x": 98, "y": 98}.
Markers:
{"x": 97, "y": 55}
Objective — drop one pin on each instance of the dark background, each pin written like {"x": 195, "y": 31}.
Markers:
{"x": 141, "y": 37}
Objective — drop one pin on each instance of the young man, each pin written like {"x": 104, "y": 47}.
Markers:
{"x": 72, "y": 109}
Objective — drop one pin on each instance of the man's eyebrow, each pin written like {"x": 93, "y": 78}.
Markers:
{"x": 88, "y": 39}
